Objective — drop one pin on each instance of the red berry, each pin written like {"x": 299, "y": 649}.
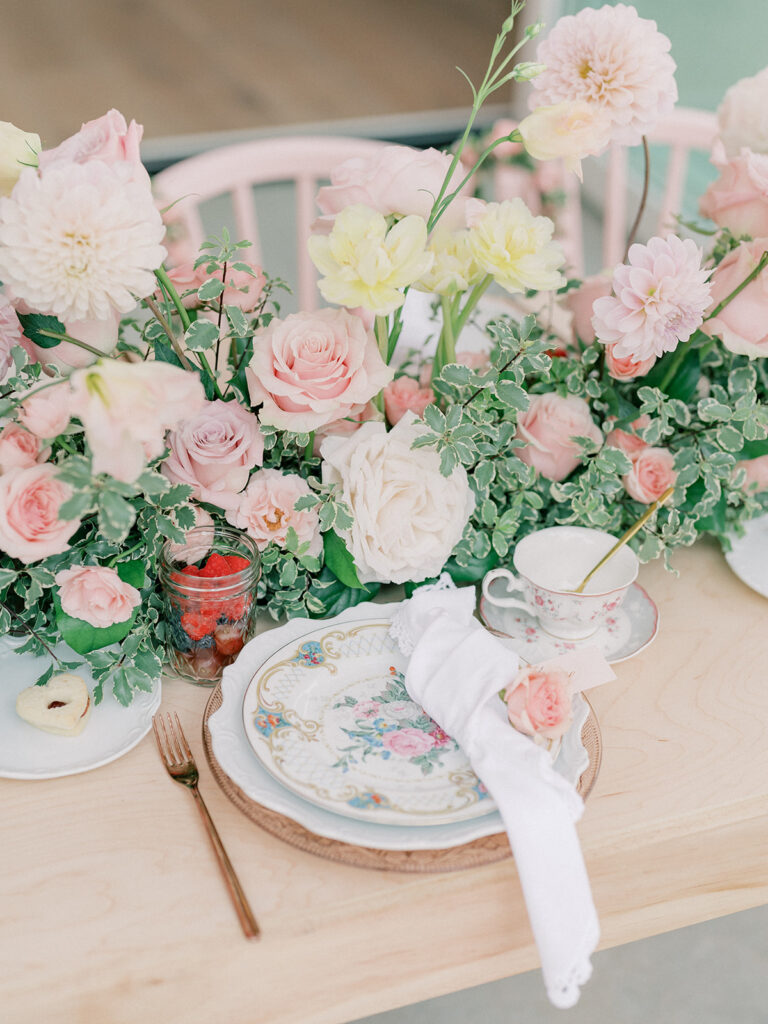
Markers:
{"x": 217, "y": 565}
{"x": 237, "y": 563}
{"x": 197, "y": 625}
{"x": 229, "y": 639}
{"x": 191, "y": 570}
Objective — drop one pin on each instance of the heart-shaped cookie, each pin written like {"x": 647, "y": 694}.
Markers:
{"x": 61, "y": 706}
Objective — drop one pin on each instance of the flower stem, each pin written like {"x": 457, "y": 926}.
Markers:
{"x": 75, "y": 341}
{"x": 26, "y": 626}
{"x": 469, "y": 306}
{"x": 643, "y": 198}
{"x": 162, "y": 276}
{"x": 157, "y": 312}
{"x": 674, "y": 365}
{"x": 381, "y": 330}
{"x": 747, "y": 280}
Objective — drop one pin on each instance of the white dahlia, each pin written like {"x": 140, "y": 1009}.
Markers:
{"x": 614, "y": 59}
{"x": 80, "y": 240}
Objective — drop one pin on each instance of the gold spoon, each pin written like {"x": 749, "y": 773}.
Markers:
{"x": 625, "y": 537}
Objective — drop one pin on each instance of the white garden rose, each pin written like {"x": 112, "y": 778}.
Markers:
{"x": 743, "y": 115}
{"x": 408, "y": 517}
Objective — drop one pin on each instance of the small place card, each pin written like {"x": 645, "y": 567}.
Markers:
{"x": 586, "y": 667}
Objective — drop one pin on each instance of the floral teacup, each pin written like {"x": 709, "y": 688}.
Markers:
{"x": 550, "y": 564}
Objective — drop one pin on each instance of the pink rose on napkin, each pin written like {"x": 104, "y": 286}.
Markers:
{"x": 742, "y": 325}
{"x": 653, "y": 471}
{"x": 539, "y": 702}
{"x": 97, "y": 595}
{"x": 19, "y": 449}
{"x": 548, "y": 427}
{"x": 406, "y": 395}
{"x": 408, "y": 742}
{"x": 30, "y": 528}
{"x": 738, "y": 200}
{"x": 107, "y": 138}
{"x": 266, "y": 511}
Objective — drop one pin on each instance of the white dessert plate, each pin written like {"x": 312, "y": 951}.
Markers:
{"x": 29, "y": 753}
{"x": 748, "y": 556}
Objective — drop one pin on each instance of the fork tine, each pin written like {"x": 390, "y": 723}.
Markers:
{"x": 158, "y": 738}
{"x": 175, "y": 745}
{"x": 182, "y": 738}
{"x": 170, "y": 757}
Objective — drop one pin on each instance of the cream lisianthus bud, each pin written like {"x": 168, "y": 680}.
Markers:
{"x": 17, "y": 150}
{"x": 566, "y": 131}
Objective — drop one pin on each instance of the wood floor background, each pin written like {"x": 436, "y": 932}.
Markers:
{"x": 191, "y": 66}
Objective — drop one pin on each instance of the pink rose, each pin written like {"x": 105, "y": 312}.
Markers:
{"x": 366, "y": 708}
{"x": 107, "y": 138}
{"x": 97, "y": 595}
{"x": 626, "y": 367}
{"x": 580, "y": 301}
{"x": 548, "y": 427}
{"x": 738, "y": 200}
{"x": 266, "y": 511}
{"x": 408, "y": 742}
{"x": 242, "y": 289}
{"x": 626, "y": 441}
{"x": 313, "y": 368}
{"x": 368, "y": 413}
{"x": 539, "y": 702}
{"x": 406, "y": 395}
{"x": 214, "y": 452}
{"x": 756, "y": 471}
{"x": 100, "y": 334}
{"x": 47, "y": 412}
{"x": 19, "y": 449}
{"x": 653, "y": 471}
{"x": 743, "y": 325}
{"x": 30, "y": 528}
{"x": 10, "y": 335}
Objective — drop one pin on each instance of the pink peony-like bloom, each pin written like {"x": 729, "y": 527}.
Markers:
{"x": 579, "y": 302}
{"x": 756, "y": 473}
{"x": 19, "y": 449}
{"x": 47, "y": 412}
{"x": 30, "y": 499}
{"x": 742, "y": 325}
{"x": 97, "y": 595}
{"x": 653, "y": 471}
{"x": 242, "y": 288}
{"x": 10, "y": 335}
{"x": 214, "y": 452}
{"x": 539, "y": 702}
{"x": 659, "y": 299}
{"x": 408, "y": 742}
{"x": 548, "y": 427}
{"x": 613, "y": 59}
{"x": 266, "y": 511}
{"x": 628, "y": 441}
{"x": 406, "y": 395}
{"x": 738, "y": 200}
{"x": 313, "y": 368}
{"x": 107, "y": 138}
{"x": 100, "y": 334}
{"x": 626, "y": 367}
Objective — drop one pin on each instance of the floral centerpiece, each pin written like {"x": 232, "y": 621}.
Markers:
{"x": 141, "y": 400}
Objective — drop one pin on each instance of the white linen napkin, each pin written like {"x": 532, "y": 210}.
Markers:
{"x": 456, "y": 671}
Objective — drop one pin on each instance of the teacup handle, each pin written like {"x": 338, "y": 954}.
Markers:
{"x": 513, "y": 583}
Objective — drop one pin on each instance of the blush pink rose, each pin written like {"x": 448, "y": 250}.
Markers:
{"x": 738, "y": 200}
{"x": 344, "y": 427}
{"x": 406, "y": 395}
{"x": 628, "y": 441}
{"x": 108, "y": 138}
{"x": 97, "y": 595}
{"x": 266, "y": 511}
{"x": 214, "y": 452}
{"x": 580, "y": 301}
{"x": 47, "y": 412}
{"x": 539, "y": 702}
{"x": 626, "y": 367}
{"x": 756, "y": 473}
{"x": 19, "y": 449}
{"x": 408, "y": 742}
{"x": 653, "y": 471}
{"x": 313, "y": 368}
{"x": 30, "y": 528}
{"x": 742, "y": 325}
{"x": 548, "y": 427}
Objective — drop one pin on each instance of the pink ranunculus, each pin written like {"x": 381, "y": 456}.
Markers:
{"x": 742, "y": 325}
{"x": 97, "y": 595}
{"x": 30, "y": 528}
{"x": 19, "y": 449}
{"x": 313, "y": 368}
{"x": 108, "y": 138}
{"x": 10, "y": 335}
{"x": 738, "y": 200}
{"x": 47, "y": 411}
{"x": 580, "y": 301}
{"x": 756, "y": 473}
{"x": 539, "y": 702}
{"x": 408, "y": 742}
{"x": 100, "y": 334}
{"x": 626, "y": 368}
{"x": 266, "y": 511}
{"x": 397, "y": 179}
{"x": 653, "y": 471}
{"x": 626, "y": 441}
{"x": 214, "y": 452}
{"x": 406, "y": 395}
{"x": 548, "y": 427}
{"x": 367, "y": 413}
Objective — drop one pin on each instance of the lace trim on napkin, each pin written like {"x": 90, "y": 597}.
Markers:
{"x": 402, "y": 629}
{"x": 564, "y": 993}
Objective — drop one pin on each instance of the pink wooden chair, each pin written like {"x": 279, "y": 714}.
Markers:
{"x": 303, "y": 160}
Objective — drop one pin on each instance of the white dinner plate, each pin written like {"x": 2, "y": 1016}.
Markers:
{"x": 748, "y": 556}
{"x": 29, "y": 753}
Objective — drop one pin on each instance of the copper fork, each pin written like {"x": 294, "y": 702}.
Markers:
{"x": 178, "y": 760}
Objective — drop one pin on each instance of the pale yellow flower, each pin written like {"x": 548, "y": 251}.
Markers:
{"x": 454, "y": 267}
{"x": 569, "y": 131}
{"x": 508, "y": 242}
{"x": 365, "y": 263}
{"x": 17, "y": 149}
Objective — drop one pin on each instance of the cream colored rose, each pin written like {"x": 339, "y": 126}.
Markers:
{"x": 508, "y": 242}
{"x": 408, "y": 517}
{"x": 17, "y": 150}
{"x": 367, "y": 264}
{"x": 567, "y": 131}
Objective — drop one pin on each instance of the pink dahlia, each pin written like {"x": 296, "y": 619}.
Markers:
{"x": 614, "y": 59}
{"x": 659, "y": 299}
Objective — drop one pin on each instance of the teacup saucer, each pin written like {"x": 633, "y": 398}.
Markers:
{"x": 626, "y": 632}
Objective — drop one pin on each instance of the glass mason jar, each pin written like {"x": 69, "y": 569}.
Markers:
{"x": 209, "y": 590}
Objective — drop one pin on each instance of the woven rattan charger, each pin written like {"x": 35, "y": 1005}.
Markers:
{"x": 470, "y": 855}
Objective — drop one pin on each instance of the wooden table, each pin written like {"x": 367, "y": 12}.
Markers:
{"x": 112, "y": 910}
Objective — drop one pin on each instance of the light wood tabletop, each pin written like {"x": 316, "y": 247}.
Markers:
{"x": 112, "y": 910}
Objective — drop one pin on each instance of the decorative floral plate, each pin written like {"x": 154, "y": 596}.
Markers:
{"x": 626, "y": 632}
{"x": 748, "y": 556}
{"x": 29, "y": 753}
